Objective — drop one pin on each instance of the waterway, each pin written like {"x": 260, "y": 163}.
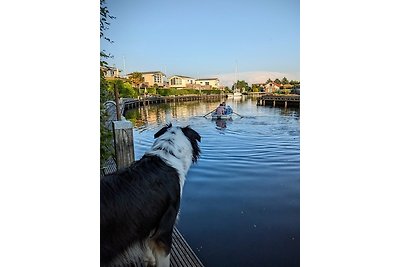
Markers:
{"x": 241, "y": 201}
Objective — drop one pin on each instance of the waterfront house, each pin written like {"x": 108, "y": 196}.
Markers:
{"x": 208, "y": 82}
{"x": 110, "y": 72}
{"x": 151, "y": 78}
{"x": 272, "y": 87}
{"x": 179, "y": 81}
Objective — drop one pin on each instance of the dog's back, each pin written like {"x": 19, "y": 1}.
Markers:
{"x": 139, "y": 202}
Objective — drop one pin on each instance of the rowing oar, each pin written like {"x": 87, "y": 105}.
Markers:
{"x": 237, "y": 114}
{"x": 209, "y": 112}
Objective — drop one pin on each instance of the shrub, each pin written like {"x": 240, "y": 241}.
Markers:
{"x": 125, "y": 89}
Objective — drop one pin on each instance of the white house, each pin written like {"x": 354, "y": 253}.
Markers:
{"x": 179, "y": 81}
{"x": 212, "y": 82}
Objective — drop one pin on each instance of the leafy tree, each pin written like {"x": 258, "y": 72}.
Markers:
{"x": 106, "y": 149}
{"x": 125, "y": 89}
{"x": 277, "y": 81}
{"x": 295, "y": 83}
{"x": 242, "y": 85}
{"x": 136, "y": 79}
{"x": 104, "y": 16}
{"x": 285, "y": 81}
{"x": 269, "y": 80}
{"x": 255, "y": 88}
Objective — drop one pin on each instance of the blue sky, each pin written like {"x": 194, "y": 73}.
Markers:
{"x": 207, "y": 38}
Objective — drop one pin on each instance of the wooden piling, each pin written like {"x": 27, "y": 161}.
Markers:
{"x": 123, "y": 141}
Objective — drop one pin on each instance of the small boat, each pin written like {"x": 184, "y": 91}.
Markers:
{"x": 234, "y": 95}
{"x": 228, "y": 112}
{"x": 215, "y": 116}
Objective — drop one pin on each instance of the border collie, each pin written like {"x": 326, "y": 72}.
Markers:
{"x": 139, "y": 204}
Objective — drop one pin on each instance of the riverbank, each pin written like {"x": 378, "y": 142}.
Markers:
{"x": 130, "y": 103}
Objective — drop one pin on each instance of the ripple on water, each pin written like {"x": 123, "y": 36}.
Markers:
{"x": 245, "y": 187}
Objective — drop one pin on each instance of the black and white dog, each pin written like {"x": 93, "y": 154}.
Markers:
{"x": 139, "y": 204}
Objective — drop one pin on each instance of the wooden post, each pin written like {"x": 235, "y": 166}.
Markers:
{"x": 116, "y": 96}
{"x": 123, "y": 140}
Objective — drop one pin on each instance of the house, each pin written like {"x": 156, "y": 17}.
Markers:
{"x": 272, "y": 87}
{"x": 211, "y": 82}
{"x": 179, "y": 81}
{"x": 110, "y": 72}
{"x": 151, "y": 78}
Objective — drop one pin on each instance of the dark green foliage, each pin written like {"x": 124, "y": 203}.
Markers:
{"x": 104, "y": 16}
{"x": 242, "y": 86}
{"x": 125, "y": 89}
{"x": 174, "y": 91}
{"x": 106, "y": 147}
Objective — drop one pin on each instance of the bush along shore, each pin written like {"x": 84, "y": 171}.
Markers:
{"x": 126, "y": 90}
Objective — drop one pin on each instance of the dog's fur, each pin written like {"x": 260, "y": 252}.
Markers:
{"x": 139, "y": 204}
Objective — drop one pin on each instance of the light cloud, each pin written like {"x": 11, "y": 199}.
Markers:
{"x": 251, "y": 77}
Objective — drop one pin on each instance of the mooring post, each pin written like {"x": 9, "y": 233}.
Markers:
{"x": 123, "y": 140}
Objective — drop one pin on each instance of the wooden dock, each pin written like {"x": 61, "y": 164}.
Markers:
{"x": 130, "y": 103}
{"x": 181, "y": 255}
{"x": 279, "y": 100}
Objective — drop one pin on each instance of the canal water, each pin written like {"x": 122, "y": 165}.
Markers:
{"x": 241, "y": 201}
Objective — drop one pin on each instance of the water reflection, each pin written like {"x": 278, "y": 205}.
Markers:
{"x": 248, "y": 175}
{"x": 221, "y": 124}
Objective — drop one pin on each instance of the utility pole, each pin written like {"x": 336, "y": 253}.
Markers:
{"x": 123, "y": 58}
{"x": 116, "y": 96}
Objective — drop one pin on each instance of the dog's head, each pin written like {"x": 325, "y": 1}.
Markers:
{"x": 169, "y": 132}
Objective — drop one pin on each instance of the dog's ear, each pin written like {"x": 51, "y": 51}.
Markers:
{"x": 163, "y": 130}
{"x": 191, "y": 134}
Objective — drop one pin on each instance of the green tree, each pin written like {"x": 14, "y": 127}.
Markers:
{"x": 269, "y": 80}
{"x": 104, "y": 17}
{"x": 106, "y": 149}
{"x": 255, "y": 88}
{"x": 125, "y": 89}
{"x": 242, "y": 86}
{"x": 277, "y": 81}
{"x": 285, "y": 81}
{"x": 136, "y": 79}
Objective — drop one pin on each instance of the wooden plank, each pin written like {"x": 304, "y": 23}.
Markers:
{"x": 183, "y": 251}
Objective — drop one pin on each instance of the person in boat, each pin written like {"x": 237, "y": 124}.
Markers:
{"x": 228, "y": 110}
{"x": 220, "y": 110}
